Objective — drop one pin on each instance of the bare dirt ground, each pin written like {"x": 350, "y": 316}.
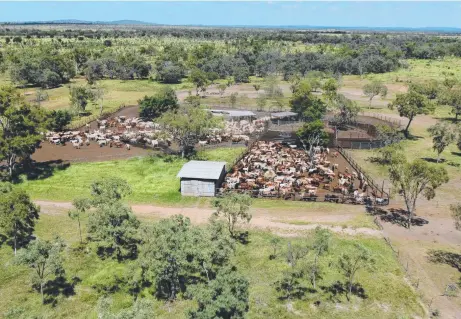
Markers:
{"x": 92, "y": 153}
{"x": 432, "y": 248}
{"x": 430, "y": 253}
{"x": 267, "y": 219}
{"x": 51, "y": 153}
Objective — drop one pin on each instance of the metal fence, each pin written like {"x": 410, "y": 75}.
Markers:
{"x": 358, "y": 169}
{"x": 382, "y": 117}
{"x": 88, "y": 119}
{"x": 360, "y": 145}
{"x": 329, "y": 198}
{"x": 332, "y": 197}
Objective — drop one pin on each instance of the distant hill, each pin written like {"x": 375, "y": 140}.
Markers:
{"x": 74, "y": 21}
{"x": 290, "y": 27}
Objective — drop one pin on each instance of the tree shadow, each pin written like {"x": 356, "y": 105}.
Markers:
{"x": 242, "y": 237}
{"x": 411, "y": 137}
{"x": 433, "y": 160}
{"x": 451, "y": 120}
{"x": 377, "y": 160}
{"x": 39, "y": 170}
{"x": 43, "y": 170}
{"x": 454, "y": 164}
{"x": 297, "y": 292}
{"x": 21, "y": 242}
{"x": 456, "y": 153}
{"x": 109, "y": 252}
{"x": 396, "y": 216}
{"x": 59, "y": 286}
{"x": 338, "y": 289}
{"x": 445, "y": 257}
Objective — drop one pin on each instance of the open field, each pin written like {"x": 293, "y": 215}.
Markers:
{"x": 385, "y": 288}
{"x": 402, "y": 285}
{"x": 438, "y": 234}
{"x": 152, "y": 179}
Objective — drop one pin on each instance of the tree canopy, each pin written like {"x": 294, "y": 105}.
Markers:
{"x": 373, "y": 89}
{"x": 187, "y": 124}
{"x": 80, "y": 96}
{"x": 227, "y": 296}
{"x": 313, "y": 133}
{"x": 17, "y": 217}
{"x": 443, "y": 134}
{"x": 152, "y": 107}
{"x": 410, "y": 105}
{"x": 20, "y": 127}
{"x": 173, "y": 251}
{"x": 416, "y": 178}
{"x": 303, "y": 102}
{"x": 112, "y": 225}
{"x": 44, "y": 258}
{"x": 233, "y": 207}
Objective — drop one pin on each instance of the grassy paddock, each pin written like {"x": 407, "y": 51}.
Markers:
{"x": 359, "y": 221}
{"x": 116, "y": 93}
{"x": 152, "y": 178}
{"x": 388, "y": 294}
{"x": 419, "y": 71}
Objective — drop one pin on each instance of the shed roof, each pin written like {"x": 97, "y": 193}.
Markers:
{"x": 283, "y": 114}
{"x": 234, "y": 113}
{"x": 202, "y": 170}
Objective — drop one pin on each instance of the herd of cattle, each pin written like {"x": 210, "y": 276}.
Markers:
{"x": 121, "y": 132}
{"x": 271, "y": 169}
{"x": 268, "y": 169}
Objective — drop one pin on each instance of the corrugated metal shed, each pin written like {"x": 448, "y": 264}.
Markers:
{"x": 202, "y": 170}
{"x": 283, "y": 114}
{"x": 234, "y": 113}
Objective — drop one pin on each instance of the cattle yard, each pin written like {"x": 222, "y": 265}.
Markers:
{"x": 274, "y": 166}
{"x": 277, "y": 170}
{"x": 125, "y": 135}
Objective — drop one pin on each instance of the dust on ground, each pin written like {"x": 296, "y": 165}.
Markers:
{"x": 290, "y": 223}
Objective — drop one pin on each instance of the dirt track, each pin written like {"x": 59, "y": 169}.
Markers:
{"x": 262, "y": 219}
{"x": 412, "y": 244}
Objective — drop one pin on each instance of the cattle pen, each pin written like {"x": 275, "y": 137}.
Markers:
{"x": 274, "y": 177}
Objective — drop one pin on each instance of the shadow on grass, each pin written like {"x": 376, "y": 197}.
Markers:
{"x": 59, "y": 286}
{"x": 414, "y": 137}
{"x": 456, "y": 153}
{"x": 433, "y": 160}
{"x": 397, "y": 216}
{"x": 39, "y": 170}
{"x": 131, "y": 253}
{"x": 44, "y": 170}
{"x": 445, "y": 257}
{"x": 242, "y": 237}
{"x": 338, "y": 289}
{"x": 297, "y": 292}
{"x": 447, "y": 119}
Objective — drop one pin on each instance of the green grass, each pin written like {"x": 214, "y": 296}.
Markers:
{"x": 385, "y": 286}
{"x": 419, "y": 148}
{"x": 388, "y": 294}
{"x": 152, "y": 178}
{"x": 359, "y": 221}
{"x": 418, "y": 71}
{"x": 116, "y": 93}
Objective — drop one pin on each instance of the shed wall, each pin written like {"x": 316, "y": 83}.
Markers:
{"x": 197, "y": 187}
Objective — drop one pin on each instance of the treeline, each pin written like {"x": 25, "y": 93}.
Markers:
{"x": 237, "y": 53}
{"x": 412, "y": 45}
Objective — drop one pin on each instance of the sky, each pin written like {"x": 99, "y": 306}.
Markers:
{"x": 269, "y": 13}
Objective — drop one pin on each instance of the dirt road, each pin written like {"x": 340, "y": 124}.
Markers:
{"x": 286, "y": 224}
{"x": 437, "y": 233}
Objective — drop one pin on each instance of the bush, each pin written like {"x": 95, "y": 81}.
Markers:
{"x": 59, "y": 120}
